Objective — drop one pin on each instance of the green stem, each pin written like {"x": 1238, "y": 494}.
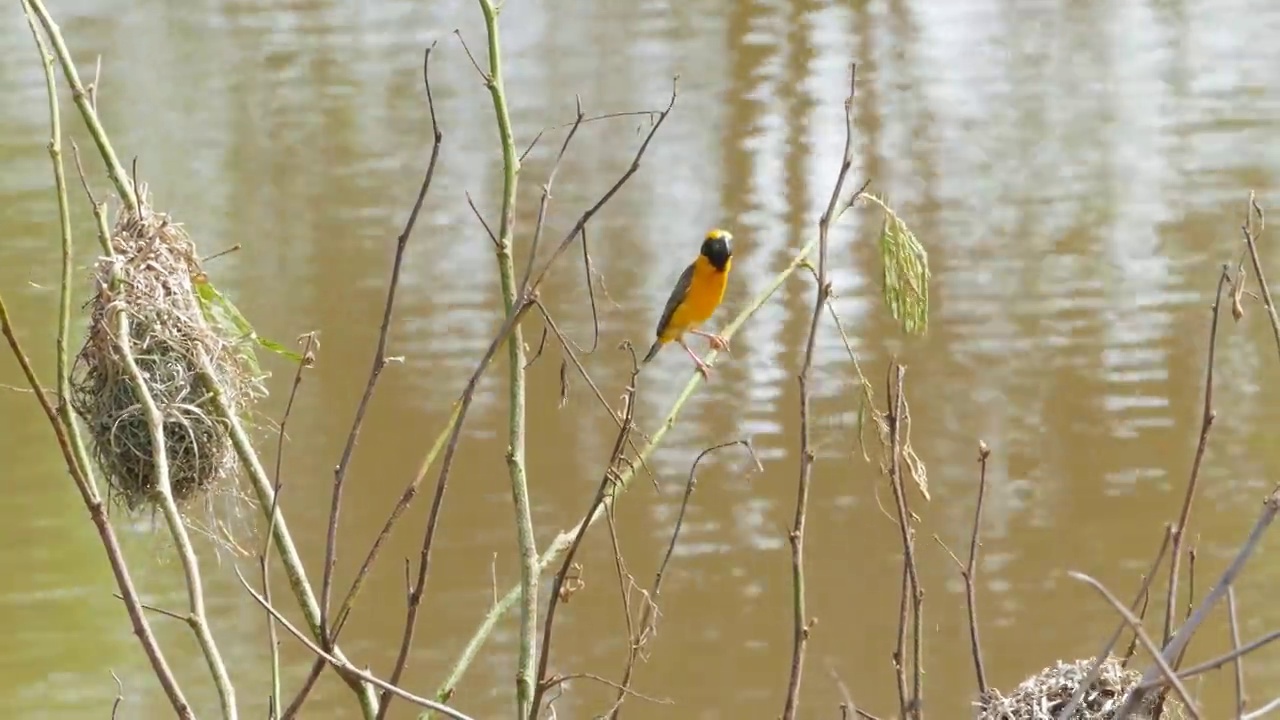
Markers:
{"x": 124, "y": 186}
{"x": 565, "y": 538}
{"x": 515, "y": 357}
{"x": 197, "y": 618}
{"x": 64, "y": 218}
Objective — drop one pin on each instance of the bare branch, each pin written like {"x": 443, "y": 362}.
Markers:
{"x": 649, "y": 616}
{"x": 1242, "y": 700}
{"x": 558, "y": 584}
{"x": 1143, "y": 592}
{"x": 379, "y": 356}
{"x": 1147, "y": 642}
{"x": 800, "y": 623}
{"x": 345, "y": 667}
{"x": 1206, "y": 424}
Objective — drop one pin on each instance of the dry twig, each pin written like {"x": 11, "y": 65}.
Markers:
{"x": 558, "y": 584}
{"x": 801, "y": 624}
{"x": 912, "y": 593}
{"x": 968, "y": 571}
{"x": 649, "y": 616}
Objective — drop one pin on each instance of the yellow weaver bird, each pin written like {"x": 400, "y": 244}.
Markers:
{"x": 695, "y": 298}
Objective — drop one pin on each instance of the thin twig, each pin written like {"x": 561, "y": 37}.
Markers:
{"x": 1251, "y": 241}
{"x": 476, "y": 211}
{"x": 1169, "y": 674}
{"x": 559, "y": 680}
{"x": 1215, "y": 663}
{"x": 649, "y": 617}
{"x": 1264, "y": 710}
{"x": 549, "y": 322}
{"x": 651, "y": 114}
{"x": 1242, "y": 700}
{"x": 264, "y": 560}
{"x": 1142, "y": 614}
{"x": 545, "y": 201}
{"x": 587, "y": 270}
{"x": 344, "y": 666}
{"x": 1271, "y": 507}
{"x": 1095, "y": 670}
{"x": 912, "y": 594}
{"x": 801, "y": 624}
{"x": 968, "y": 571}
{"x": 1206, "y": 424}
{"x": 848, "y": 708}
{"x": 115, "y": 705}
{"x": 557, "y": 585}
{"x": 380, "y": 359}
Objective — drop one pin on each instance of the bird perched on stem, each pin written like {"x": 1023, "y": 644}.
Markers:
{"x": 695, "y": 298}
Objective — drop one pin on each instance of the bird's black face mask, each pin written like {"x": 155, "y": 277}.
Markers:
{"x": 717, "y": 249}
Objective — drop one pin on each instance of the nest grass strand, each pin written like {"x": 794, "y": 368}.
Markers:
{"x": 152, "y": 276}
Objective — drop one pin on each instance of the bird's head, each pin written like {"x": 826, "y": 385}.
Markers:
{"x": 717, "y": 248}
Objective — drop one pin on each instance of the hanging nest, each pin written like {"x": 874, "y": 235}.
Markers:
{"x": 152, "y": 278}
{"x": 1043, "y": 696}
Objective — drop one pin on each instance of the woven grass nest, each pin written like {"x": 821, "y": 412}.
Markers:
{"x": 1044, "y": 695}
{"x": 152, "y": 278}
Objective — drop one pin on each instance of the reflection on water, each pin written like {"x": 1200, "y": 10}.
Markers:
{"x": 1077, "y": 171}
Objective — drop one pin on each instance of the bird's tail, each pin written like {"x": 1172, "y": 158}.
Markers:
{"x": 657, "y": 345}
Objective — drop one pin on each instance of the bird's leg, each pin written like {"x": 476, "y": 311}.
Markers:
{"x": 719, "y": 342}
{"x": 703, "y": 368}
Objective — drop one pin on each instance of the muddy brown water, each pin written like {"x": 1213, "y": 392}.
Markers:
{"x": 1077, "y": 170}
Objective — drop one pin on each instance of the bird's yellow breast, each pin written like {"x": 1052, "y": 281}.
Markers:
{"x": 706, "y": 290}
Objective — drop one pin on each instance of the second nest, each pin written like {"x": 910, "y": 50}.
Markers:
{"x": 187, "y": 360}
{"x": 1044, "y": 695}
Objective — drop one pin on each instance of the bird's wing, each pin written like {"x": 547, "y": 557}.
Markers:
{"x": 678, "y": 294}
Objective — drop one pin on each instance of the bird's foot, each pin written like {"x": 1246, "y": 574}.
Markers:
{"x": 718, "y": 342}
{"x": 703, "y": 368}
